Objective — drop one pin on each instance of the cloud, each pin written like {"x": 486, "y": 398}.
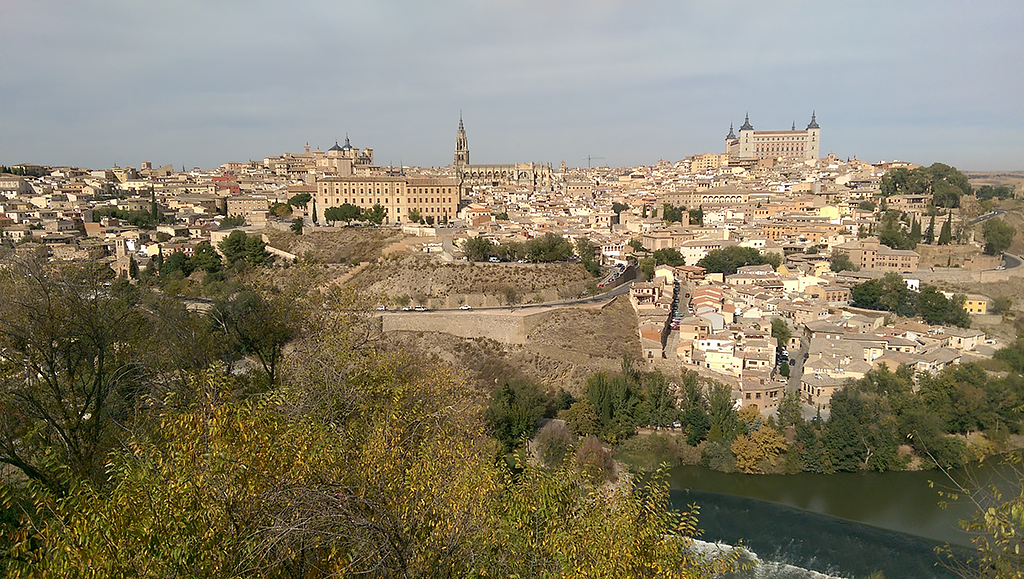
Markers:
{"x": 202, "y": 83}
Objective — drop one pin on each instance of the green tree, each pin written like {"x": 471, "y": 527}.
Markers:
{"x": 637, "y": 245}
{"x": 646, "y": 266}
{"x": 697, "y": 216}
{"x": 781, "y": 332}
{"x": 936, "y": 309}
{"x": 789, "y": 413}
{"x": 586, "y": 251}
{"x": 929, "y": 234}
{"x": 668, "y": 256}
{"x": 346, "y": 212}
{"x": 784, "y": 369}
{"x": 296, "y": 226}
{"x": 300, "y": 200}
{"x": 205, "y": 258}
{"x": 1000, "y": 305}
{"x": 514, "y": 413}
{"x": 548, "y": 248}
{"x": 614, "y": 400}
{"x": 840, "y": 261}
{"x": 998, "y": 236}
{"x": 281, "y": 209}
{"x": 946, "y": 234}
{"x": 672, "y": 213}
{"x": 177, "y": 262}
{"x": 728, "y": 259}
{"x": 376, "y": 215}
{"x": 72, "y": 362}
{"x": 257, "y": 326}
{"x": 618, "y": 208}
{"x": 415, "y": 216}
{"x": 889, "y": 293}
{"x": 233, "y": 247}
{"x": 478, "y": 248}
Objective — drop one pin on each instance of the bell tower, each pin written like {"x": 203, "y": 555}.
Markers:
{"x": 461, "y": 146}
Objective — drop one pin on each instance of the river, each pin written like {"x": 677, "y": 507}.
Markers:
{"x": 841, "y": 525}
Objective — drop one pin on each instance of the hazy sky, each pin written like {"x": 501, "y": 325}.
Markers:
{"x": 200, "y": 83}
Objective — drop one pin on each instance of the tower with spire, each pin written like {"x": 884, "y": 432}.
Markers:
{"x": 782, "y": 145}
{"x": 461, "y": 146}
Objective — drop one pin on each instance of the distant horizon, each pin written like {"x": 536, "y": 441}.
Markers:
{"x": 94, "y": 84}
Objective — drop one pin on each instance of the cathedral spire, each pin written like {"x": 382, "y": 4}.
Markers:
{"x": 731, "y": 135}
{"x": 461, "y": 145}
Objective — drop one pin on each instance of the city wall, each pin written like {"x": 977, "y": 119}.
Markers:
{"x": 956, "y": 275}
{"x": 507, "y": 327}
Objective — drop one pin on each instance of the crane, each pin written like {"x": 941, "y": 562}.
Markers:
{"x": 589, "y": 157}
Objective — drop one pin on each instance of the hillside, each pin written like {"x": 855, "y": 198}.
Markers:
{"x": 439, "y": 284}
{"x": 569, "y": 345}
{"x": 335, "y": 245}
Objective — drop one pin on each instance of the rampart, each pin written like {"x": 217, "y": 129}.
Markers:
{"x": 507, "y": 327}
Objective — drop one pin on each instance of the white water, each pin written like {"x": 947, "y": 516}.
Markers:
{"x": 761, "y": 569}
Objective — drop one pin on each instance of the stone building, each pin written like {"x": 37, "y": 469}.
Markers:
{"x": 791, "y": 145}
{"x": 435, "y": 198}
{"x": 870, "y": 255}
{"x": 535, "y": 175}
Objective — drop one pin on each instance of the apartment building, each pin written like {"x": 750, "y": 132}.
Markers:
{"x": 435, "y": 198}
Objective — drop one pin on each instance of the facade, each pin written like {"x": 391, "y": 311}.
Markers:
{"x": 536, "y": 175}
{"x": 870, "y": 255}
{"x": 432, "y": 197}
{"x": 791, "y": 145}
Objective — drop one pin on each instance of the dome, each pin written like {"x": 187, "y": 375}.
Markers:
{"x": 335, "y": 147}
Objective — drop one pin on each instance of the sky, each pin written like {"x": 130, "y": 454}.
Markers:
{"x": 200, "y": 83}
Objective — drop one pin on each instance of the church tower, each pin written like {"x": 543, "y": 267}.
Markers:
{"x": 461, "y": 146}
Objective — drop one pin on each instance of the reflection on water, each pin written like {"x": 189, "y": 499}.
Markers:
{"x": 791, "y": 543}
{"x": 901, "y": 501}
{"x": 843, "y": 525}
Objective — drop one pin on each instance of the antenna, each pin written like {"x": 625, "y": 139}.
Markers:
{"x": 589, "y": 157}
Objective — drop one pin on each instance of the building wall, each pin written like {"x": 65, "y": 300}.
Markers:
{"x": 432, "y": 197}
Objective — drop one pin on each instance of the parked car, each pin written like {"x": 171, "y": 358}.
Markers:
{"x": 465, "y": 307}
{"x": 407, "y": 309}
{"x": 420, "y": 309}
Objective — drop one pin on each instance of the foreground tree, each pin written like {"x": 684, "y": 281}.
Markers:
{"x": 70, "y": 368}
{"x": 258, "y": 326}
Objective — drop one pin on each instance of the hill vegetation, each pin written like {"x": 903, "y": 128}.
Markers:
{"x": 278, "y": 436}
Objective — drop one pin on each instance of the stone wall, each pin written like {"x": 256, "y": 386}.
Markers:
{"x": 507, "y": 327}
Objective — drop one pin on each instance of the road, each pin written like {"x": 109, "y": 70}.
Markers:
{"x": 607, "y": 296}
{"x": 987, "y": 216}
{"x": 1011, "y": 261}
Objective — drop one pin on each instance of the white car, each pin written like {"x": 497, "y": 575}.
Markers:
{"x": 465, "y": 307}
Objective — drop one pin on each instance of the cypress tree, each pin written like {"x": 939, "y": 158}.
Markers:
{"x": 946, "y": 235}
{"x": 915, "y": 230}
{"x": 929, "y": 235}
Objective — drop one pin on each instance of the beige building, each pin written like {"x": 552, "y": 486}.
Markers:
{"x": 434, "y": 198}
{"x": 792, "y": 145}
{"x": 871, "y": 255}
{"x": 708, "y": 162}
{"x": 535, "y": 175}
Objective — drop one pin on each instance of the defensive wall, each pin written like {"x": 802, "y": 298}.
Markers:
{"x": 507, "y": 327}
{"x": 956, "y": 275}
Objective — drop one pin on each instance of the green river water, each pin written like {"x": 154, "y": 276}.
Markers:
{"x": 842, "y": 525}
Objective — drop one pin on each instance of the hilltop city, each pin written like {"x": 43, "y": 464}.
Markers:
{"x": 767, "y": 266}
